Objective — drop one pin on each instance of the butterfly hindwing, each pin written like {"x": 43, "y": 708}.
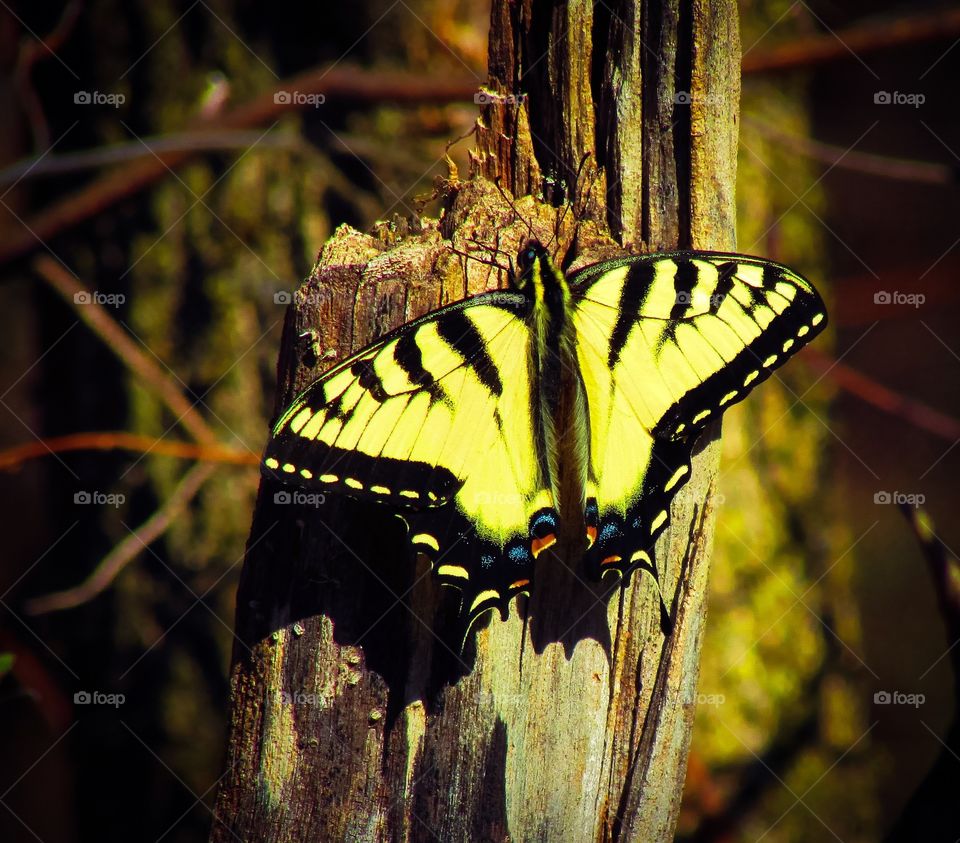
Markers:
{"x": 434, "y": 420}
{"x": 665, "y": 344}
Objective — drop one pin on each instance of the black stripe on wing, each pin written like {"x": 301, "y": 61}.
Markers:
{"x": 639, "y": 278}
{"x": 408, "y": 356}
{"x": 462, "y": 336}
{"x": 726, "y": 272}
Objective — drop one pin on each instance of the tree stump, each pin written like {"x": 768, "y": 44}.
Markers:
{"x": 353, "y": 716}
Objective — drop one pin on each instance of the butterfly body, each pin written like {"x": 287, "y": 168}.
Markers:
{"x": 561, "y": 407}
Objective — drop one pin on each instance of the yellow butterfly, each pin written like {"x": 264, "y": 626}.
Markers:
{"x": 470, "y": 420}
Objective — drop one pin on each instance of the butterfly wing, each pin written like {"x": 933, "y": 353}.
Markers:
{"x": 665, "y": 344}
{"x": 434, "y": 420}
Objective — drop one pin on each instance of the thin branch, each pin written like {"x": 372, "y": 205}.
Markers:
{"x": 119, "y": 342}
{"x": 120, "y": 440}
{"x": 33, "y": 52}
{"x": 128, "y": 549}
{"x": 862, "y": 162}
{"x": 211, "y": 140}
{"x": 876, "y": 394}
{"x": 857, "y": 39}
{"x": 341, "y": 83}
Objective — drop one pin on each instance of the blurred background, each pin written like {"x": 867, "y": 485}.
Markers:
{"x": 168, "y": 173}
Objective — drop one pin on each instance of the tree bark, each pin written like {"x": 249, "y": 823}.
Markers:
{"x": 352, "y": 716}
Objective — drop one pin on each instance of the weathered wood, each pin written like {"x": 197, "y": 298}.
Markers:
{"x": 353, "y": 719}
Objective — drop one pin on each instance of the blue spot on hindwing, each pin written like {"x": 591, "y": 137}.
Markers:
{"x": 610, "y": 531}
{"x": 519, "y": 554}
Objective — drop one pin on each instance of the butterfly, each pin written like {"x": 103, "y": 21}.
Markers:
{"x": 470, "y": 421}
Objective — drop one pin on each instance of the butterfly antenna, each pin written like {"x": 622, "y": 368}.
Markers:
{"x": 568, "y": 205}
{"x": 511, "y": 201}
{"x": 576, "y": 188}
{"x": 508, "y": 270}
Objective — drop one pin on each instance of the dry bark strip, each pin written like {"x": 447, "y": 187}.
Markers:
{"x": 352, "y": 719}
